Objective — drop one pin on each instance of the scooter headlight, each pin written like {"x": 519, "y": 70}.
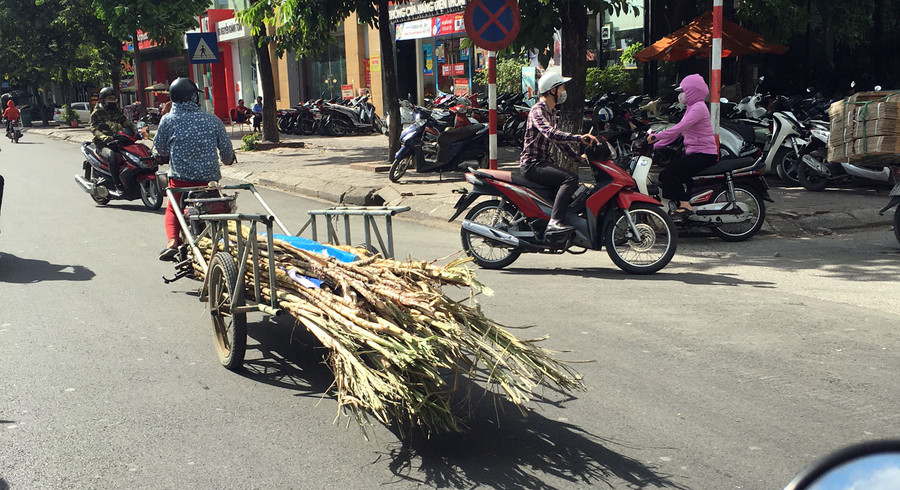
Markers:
{"x": 132, "y": 158}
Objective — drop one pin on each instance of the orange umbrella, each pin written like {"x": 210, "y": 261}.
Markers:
{"x": 696, "y": 39}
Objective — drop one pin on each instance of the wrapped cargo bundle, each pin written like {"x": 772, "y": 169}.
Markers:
{"x": 865, "y": 129}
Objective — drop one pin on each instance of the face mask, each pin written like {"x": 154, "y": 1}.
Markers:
{"x": 561, "y": 97}
{"x": 681, "y": 97}
{"x": 111, "y": 106}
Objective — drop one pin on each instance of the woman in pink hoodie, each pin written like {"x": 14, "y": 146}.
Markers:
{"x": 699, "y": 143}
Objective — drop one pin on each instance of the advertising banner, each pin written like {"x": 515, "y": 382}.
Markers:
{"x": 429, "y": 60}
{"x": 416, "y": 29}
{"x": 460, "y": 86}
{"x": 529, "y": 85}
{"x": 459, "y": 68}
{"x": 445, "y": 25}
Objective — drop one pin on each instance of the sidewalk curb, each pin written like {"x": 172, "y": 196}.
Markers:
{"x": 436, "y": 208}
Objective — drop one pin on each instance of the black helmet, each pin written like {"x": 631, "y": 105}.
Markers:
{"x": 183, "y": 90}
{"x": 106, "y": 92}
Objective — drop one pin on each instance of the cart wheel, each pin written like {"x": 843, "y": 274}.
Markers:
{"x": 230, "y": 328}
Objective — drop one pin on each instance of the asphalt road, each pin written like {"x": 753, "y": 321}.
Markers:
{"x": 733, "y": 367}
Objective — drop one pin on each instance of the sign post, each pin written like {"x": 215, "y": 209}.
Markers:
{"x": 492, "y": 25}
{"x": 715, "y": 72}
{"x": 203, "y": 47}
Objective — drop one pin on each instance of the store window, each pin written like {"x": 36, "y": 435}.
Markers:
{"x": 329, "y": 70}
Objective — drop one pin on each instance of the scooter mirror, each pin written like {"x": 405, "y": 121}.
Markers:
{"x": 723, "y": 100}
{"x": 853, "y": 84}
{"x": 870, "y": 465}
{"x": 878, "y": 88}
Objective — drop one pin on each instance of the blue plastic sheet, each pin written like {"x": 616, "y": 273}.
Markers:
{"x": 316, "y": 247}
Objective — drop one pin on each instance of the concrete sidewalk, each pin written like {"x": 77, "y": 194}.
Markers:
{"x": 353, "y": 171}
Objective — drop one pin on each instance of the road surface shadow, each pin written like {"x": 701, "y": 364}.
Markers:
{"x": 665, "y": 275}
{"x": 127, "y": 206}
{"x": 500, "y": 448}
{"x": 286, "y": 355}
{"x": 3, "y": 484}
{"x": 16, "y": 270}
{"x": 503, "y": 449}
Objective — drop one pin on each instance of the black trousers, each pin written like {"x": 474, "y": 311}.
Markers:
{"x": 675, "y": 179}
{"x": 552, "y": 176}
{"x": 112, "y": 158}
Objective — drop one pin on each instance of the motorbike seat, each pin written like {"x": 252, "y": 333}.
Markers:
{"x": 458, "y": 134}
{"x": 743, "y": 130}
{"x": 511, "y": 177}
{"x": 727, "y": 165}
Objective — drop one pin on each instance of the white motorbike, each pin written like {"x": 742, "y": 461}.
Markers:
{"x": 782, "y": 155}
{"x": 728, "y": 197}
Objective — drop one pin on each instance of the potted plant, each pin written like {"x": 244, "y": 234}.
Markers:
{"x": 70, "y": 116}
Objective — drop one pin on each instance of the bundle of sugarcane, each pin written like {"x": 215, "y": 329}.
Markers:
{"x": 398, "y": 343}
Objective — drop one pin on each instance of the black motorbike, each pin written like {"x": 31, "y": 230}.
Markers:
{"x": 455, "y": 149}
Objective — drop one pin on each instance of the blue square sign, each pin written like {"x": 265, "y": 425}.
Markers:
{"x": 202, "y": 47}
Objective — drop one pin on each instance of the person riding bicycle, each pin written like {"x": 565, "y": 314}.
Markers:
{"x": 188, "y": 140}
{"x": 10, "y": 114}
{"x": 107, "y": 121}
{"x": 536, "y": 162}
{"x": 699, "y": 144}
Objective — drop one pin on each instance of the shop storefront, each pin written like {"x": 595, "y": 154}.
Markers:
{"x": 434, "y": 34}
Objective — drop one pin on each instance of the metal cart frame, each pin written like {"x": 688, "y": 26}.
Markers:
{"x": 226, "y": 286}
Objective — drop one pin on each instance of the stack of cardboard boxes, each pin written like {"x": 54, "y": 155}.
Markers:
{"x": 865, "y": 129}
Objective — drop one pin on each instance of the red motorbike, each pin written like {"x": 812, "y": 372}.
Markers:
{"x": 137, "y": 172}
{"x": 638, "y": 234}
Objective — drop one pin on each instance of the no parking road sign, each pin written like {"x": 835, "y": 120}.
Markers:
{"x": 202, "y": 47}
{"x": 492, "y": 24}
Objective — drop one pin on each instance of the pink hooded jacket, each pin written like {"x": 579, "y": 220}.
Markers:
{"x": 695, "y": 125}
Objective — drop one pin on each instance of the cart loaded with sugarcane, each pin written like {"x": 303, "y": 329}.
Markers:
{"x": 397, "y": 344}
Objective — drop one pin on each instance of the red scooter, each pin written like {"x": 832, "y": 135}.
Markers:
{"x": 137, "y": 172}
{"x": 639, "y": 236}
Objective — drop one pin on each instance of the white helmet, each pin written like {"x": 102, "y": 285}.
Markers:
{"x": 605, "y": 114}
{"x": 550, "y": 80}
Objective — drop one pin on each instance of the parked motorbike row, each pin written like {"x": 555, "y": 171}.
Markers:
{"x": 334, "y": 117}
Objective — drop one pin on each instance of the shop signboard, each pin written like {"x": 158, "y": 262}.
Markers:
{"x": 420, "y": 9}
{"x": 459, "y": 68}
{"x": 231, "y": 29}
{"x": 448, "y": 24}
{"x": 445, "y": 70}
{"x": 375, "y": 63}
{"x": 347, "y": 91}
{"x": 460, "y": 86}
{"x": 416, "y": 29}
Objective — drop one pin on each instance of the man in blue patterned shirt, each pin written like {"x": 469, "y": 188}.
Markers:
{"x": 192, "y": 141}
{"x": 536, "y": 161}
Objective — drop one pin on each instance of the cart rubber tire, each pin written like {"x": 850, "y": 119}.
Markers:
{"x": 231, "y": 337}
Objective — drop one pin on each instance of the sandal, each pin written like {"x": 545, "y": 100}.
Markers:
{"x": 682, "y": 212}
{"x": 168, "y": 254}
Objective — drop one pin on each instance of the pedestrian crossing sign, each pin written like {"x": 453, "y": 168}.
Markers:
{"x": 202, "y": 47}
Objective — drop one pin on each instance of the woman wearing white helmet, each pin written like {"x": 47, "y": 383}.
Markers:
{"x": 536, "y": 161}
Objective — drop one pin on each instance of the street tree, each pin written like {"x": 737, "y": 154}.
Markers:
{"x": 163, "y": 22}
{"x": 307, "y": 27}
{"x": 540, "y": 19}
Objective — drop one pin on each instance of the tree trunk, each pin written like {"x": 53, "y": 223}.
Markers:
{"x": 391, "y": 92}
{"x": 269, "y": 123}
{"x": 65, "y": 86}
{"x": 574, "y": 62}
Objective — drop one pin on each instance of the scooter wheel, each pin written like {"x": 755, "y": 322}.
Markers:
{"x": 810, "y": 179}
{"x": 399, "y": 167}
{"x": 787, "y": 164}
{"x": 487, "y": 253}
{"x": 897, "y": 224}
{"x": 738, "y": 232}
{"x": 151, "y": 195}
{"x": 647, "y": 253}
